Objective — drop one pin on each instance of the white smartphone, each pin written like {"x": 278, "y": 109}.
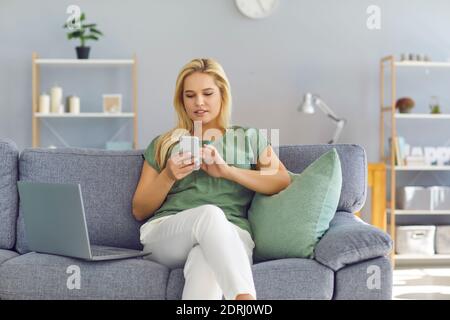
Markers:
{"x": 191, "y": 144}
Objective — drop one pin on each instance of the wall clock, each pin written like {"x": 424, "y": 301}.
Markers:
{"x": 257, "y": 9}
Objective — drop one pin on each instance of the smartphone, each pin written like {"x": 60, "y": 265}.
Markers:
{"x": 191, "y": 144}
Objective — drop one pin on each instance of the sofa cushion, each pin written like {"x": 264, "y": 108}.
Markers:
{"x": 354, "y": 169}
{"x": 350, "y": 240}
{"x": 42, "y": 276}
{"x": 285, "y": 279}
{"x": 108, "y": 181}
{"x": 6, "y": 255}
{"x": 289, "y": 224}
{"x": 8, "y": 193}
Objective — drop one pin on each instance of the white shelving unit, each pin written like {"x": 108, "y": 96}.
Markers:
{"x": 390, "y": 63}
{"x": 37, "y": 117}
{"x": 419, "y": 212}
{"x": 85, "y": 115}
{"x": 81, "y": 62}
{"x": 409, "y": 259}
{"x": 419, "y": 168}
{"x": 422, "y": 64}
{"x": 422, "y": 116}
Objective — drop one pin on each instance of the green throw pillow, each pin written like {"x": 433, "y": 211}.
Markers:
{"x": 290, "y": 223}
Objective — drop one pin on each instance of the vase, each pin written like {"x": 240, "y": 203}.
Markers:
{"x": 83, "y": 52}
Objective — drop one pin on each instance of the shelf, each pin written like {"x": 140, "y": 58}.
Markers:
{"x": 85, "y": 115}
{"x": 388, "y": 71}
{"x": 420, "y": 168}
{"x": 422, "y": 116}
{"x": 85, "y": 61}
{"x": 85, "y": 64}
{"x": 417, "y": 259}
{"x": 419, "y": 212}
{"x": 424, "y": 64}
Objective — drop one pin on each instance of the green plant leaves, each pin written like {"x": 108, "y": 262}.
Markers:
{"x": 93, "y": 30}
{"x": 86, "y": 32}
{"x": 90, "y": 37}
{"x": 75, "y": 34}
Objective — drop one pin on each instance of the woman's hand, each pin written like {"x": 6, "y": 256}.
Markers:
{"x": 212, "y": 162}
{"x": 179, "y": 165}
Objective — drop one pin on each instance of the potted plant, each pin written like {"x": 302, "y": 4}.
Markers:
{"x": 404, "y": 105}
{"x": 435, "y": 108}
{"x": 84, "y": 32}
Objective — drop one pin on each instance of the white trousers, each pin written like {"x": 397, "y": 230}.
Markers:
{"x": 216, "y": 254}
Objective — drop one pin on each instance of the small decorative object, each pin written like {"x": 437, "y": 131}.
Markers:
{"x": 112, "y": 103}
{"x": 414, "y": 57}
{"x": 84, "y": 32}
{"x": 435, "y": 108}
{"x": 404, "y": 105}
{"x": 44, "y": 103}
{"x": 56, "y": 99}
{"x": 74, "y": 104}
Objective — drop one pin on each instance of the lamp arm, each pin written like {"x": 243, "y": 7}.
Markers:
{"x": 340, "y": 125}
{"x": 326, "y": 109}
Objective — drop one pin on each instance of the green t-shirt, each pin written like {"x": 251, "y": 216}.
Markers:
{"x": 239, "y": 147}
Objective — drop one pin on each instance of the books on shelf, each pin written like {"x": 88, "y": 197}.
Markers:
{"x": 401, "y": 151}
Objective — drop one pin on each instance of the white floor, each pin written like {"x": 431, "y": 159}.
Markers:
{"x": 422, "y": 283}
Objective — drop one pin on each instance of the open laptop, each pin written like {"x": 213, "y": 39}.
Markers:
{"x": 55, "y": 223}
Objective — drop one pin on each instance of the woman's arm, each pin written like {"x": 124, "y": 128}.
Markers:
{"x": 270, "y": 176}
{"x": 151, "y": 192}
{"x": 153, "y": 187}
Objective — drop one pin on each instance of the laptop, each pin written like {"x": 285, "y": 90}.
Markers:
{"x": 55, "y": 223}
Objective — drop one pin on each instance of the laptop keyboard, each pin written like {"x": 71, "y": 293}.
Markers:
{"x": 103, "y": 252}
{"x": 98, "y": 251}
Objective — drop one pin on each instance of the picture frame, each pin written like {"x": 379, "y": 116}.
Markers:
{"x": 112, "y": 103}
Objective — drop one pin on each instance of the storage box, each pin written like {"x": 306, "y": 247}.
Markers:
{"x": 415, "y": 240}
{"x": 413, "y": 198}
{"x": 440, "y": 198}
{"x": 443, "y": 239}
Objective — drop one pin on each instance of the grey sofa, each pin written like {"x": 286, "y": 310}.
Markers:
{"x": 350, "y": 260}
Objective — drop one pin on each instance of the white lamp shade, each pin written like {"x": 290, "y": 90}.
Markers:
{"x": 307, "y": 105}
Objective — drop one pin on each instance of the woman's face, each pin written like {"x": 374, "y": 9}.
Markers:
{"x": 202, "y": 98}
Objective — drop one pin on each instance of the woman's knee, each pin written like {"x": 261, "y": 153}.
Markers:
{"x": 213, "y": 212}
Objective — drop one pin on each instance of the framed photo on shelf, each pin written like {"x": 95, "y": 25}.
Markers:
{"x": 112, "y": 103}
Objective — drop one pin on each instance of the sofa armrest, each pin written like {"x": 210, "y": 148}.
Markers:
{"x": 350, "y": 240}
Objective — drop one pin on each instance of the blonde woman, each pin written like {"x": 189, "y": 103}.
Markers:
{"x": 198, "y": 217}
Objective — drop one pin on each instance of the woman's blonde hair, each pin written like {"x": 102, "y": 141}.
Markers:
{"x": 185, "y": 124}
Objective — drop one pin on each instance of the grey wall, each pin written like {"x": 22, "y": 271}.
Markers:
{"x": 320, "y": 46}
